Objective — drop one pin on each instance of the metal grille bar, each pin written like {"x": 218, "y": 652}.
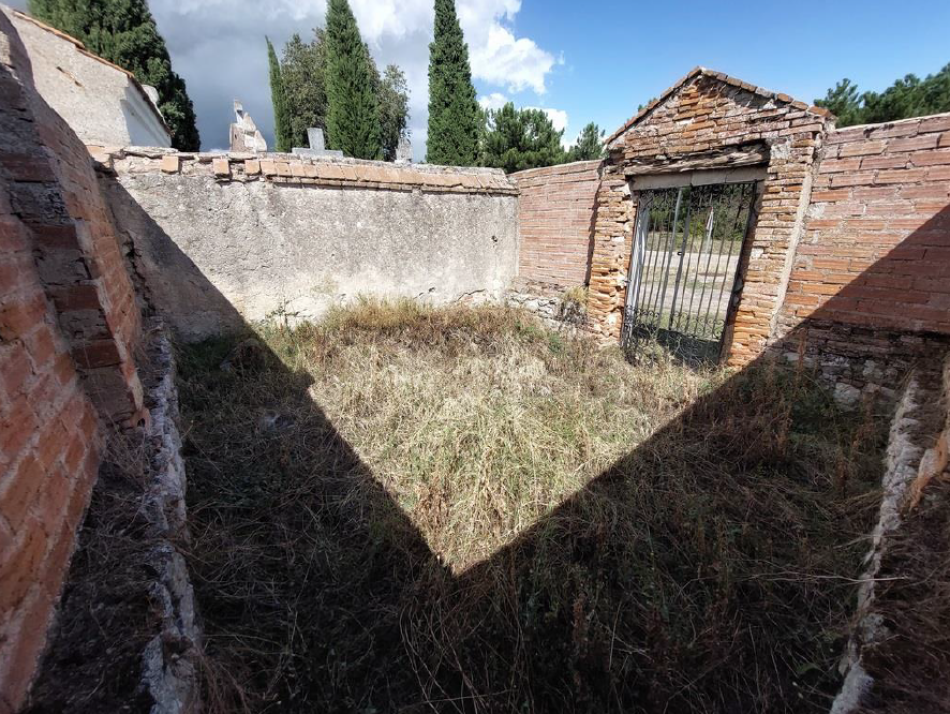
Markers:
{"x": 686, "y": 249}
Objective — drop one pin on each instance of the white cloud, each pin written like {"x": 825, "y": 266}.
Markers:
{"x": 218, "y": 47}
{"x": 515, "y": 63}
{"x": 559, "y": 119}
{"x": 495, "y": 100}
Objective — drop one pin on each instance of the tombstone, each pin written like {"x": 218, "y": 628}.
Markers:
{"x": 404, "y": 151}
{"x": 245, "y": 135}
{"x": 317, "y": 147}
{"x": 315, "y": 138}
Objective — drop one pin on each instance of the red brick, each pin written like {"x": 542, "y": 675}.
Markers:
{"x": 26, "y": 167}
{"x": 15, "y": 369}
{"x": 100, "y": 353}
{"x": 17, "y": 426}
{"x": 19, "y": 317}
{"x": 931, "y": 158}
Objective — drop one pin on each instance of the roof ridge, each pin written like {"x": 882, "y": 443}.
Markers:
{"x": 722, "y": 77}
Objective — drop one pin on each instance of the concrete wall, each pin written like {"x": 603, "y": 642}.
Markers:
{"x": 222, "y": 240}
{"x": 104, "y": 104}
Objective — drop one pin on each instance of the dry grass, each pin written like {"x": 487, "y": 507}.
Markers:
{"x": 415, "y": 509}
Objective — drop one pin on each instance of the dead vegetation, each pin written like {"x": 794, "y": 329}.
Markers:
{"x": 412, "y": 509}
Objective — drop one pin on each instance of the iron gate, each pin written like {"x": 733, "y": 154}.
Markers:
{"x": 683, "y": 269}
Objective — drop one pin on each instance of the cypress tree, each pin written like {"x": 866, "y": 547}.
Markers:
{"x": 124, "y": 32}
{"x": 282, "y": 135}
{"x": 453, "y": 110}
{"x": 353, "y": 122}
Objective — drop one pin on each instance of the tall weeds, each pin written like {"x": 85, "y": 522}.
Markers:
{"x": 414, "y": 509}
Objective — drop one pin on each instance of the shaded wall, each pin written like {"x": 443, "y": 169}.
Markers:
{"x": 293, "y": 237}
{"x": 69, "y": 328}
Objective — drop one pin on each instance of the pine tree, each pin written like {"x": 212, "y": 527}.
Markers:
{"x": 282, "y": 137}
{"x": 844, "y": 102}
{"x": 124, "y": 32}
{"x": 353, "y": 124}
{"x": 908, "y": 97}
{"x": 589, "y": 146}
{"x": 302, "y": 75}
{"x": 453, "y": 111}
{"x": 516, "y": 140}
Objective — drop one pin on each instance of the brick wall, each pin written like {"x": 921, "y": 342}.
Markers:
{"x": 49, "y": 454}
{"x": 54, "y": 191}
{"x": 710, "y": 121}
{"x": 555, "y": 220}
{"x": 68, "y": 328}
{"x": 876, "y": 251}
{"x": 870, "y": 288}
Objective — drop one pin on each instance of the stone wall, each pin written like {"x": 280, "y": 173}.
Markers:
{"x": 68, "y": 330}
{"x": 223, "y": 239}
{"x": 555, "y": 213}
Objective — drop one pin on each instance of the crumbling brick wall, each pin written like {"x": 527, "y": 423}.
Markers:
{"x": 555, "y": 212}
{"x": 68, "y": 328}
{"x": 709, "y": 121}
{"x": 872, "y": 273}
{"x": 850, "y": 248}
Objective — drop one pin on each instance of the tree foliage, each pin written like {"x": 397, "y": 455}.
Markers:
{"x": 302, "y": 71}
{"x": 519, "y": 139}
{"x": 281, "y": 129}
{"x": 124, "y": 32}
{"x": 589, "y": 145}
{"x": 393, "y": 94}
{"x": 908, "y": 97}
{"x": 353, "y": 121}
{"x": 453, "y": 136}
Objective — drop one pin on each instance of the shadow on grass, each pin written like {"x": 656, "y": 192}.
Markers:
{"x": 711, "y": 569}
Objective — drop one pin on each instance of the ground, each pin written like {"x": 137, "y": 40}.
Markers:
{"x": 416, "y": 509}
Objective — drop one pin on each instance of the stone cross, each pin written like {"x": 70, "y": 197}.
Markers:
{"x": 317, "y": 147}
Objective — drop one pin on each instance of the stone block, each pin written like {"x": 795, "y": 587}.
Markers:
{"x": 171, "y": 164}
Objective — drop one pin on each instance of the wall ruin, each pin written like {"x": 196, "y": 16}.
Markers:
{"x": 848, "y": 255}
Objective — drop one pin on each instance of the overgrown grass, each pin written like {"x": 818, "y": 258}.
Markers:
{"x": 414, "y": 509}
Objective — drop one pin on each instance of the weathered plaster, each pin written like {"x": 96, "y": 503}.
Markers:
{"x": 214, "y": 253}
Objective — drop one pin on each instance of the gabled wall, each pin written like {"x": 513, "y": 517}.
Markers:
{"x": 710, "y": 121}
{"x": 101, "y": 102}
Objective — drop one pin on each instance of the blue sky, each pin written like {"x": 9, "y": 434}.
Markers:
{"x": 620, "y": 54}
{"x": 581, "y": 62}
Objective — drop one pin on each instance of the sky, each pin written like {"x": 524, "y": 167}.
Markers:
{"x": 580, "y": 62}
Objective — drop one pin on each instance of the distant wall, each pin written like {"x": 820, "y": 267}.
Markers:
{"x": 221, "y": 239}
{"x": 101, "y": 102}
{"x": 555, "y": 216}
